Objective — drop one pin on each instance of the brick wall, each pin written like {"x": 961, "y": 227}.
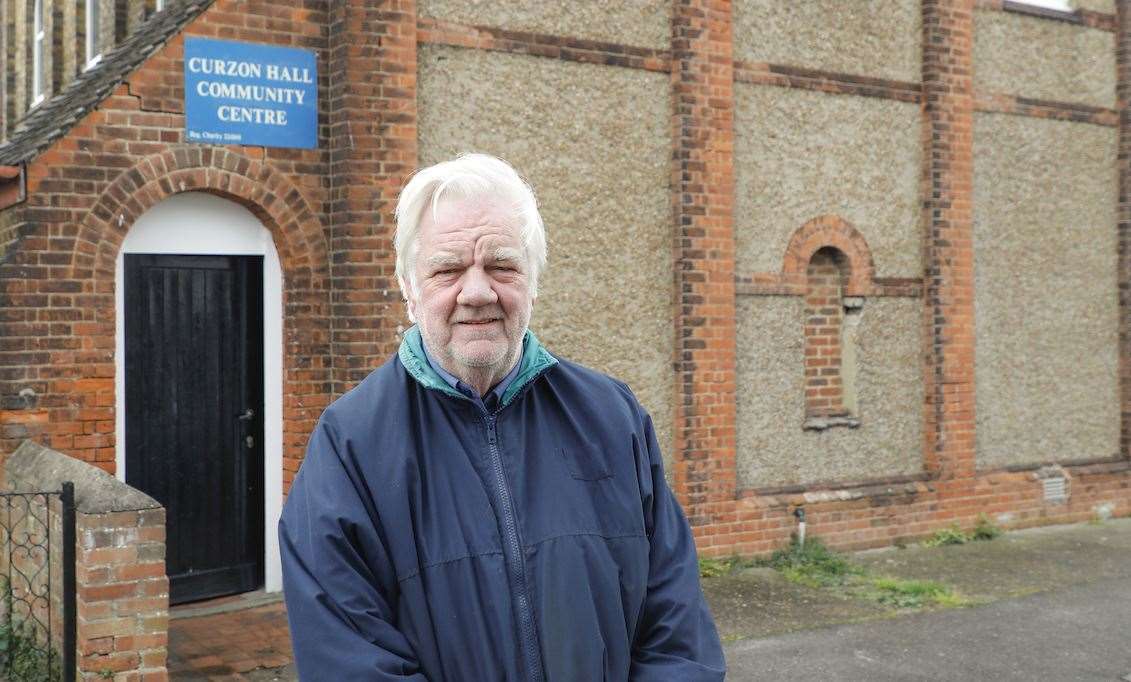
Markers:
{"x": 329, "y": 211}
{"x": 85, "y": 192}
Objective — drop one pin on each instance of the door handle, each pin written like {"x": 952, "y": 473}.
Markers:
{"x": 246, "y": 416}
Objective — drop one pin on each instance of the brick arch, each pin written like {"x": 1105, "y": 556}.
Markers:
{"x": 835, "y": 232}
{"x": 296, "y": 229}
{"x": 300, "y": 242}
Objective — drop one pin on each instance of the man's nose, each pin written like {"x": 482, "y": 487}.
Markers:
{"x": 476, "y": 289}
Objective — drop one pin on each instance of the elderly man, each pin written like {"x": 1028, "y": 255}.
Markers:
{"x": 477, "y": 509}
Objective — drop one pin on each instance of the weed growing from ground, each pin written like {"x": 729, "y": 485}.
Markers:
{"x": 23, "y": 654}
{"x": 812, "y": 564}
{"x": 984, "y": 529}
{"x": 24, "y": 657}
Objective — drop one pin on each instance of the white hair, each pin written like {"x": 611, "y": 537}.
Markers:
{"x": 468, "y": 177}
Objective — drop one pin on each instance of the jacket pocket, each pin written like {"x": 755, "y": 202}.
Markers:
{"x": 585, "y": 465}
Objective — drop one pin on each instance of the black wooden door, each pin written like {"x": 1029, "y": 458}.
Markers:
{"x": 194, "y": 406}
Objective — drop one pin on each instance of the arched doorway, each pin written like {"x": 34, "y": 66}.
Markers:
{"x": 199, "y": 391}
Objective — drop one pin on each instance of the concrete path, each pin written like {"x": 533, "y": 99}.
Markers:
{"x": 1077, "y": 633}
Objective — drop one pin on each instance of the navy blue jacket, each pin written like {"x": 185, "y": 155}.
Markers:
{"x": 426, "y": 539}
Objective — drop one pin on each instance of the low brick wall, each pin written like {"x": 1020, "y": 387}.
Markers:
{"x": 122, "y": 591}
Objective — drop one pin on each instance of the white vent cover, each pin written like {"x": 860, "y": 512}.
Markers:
{"x": 1056, "y": 489}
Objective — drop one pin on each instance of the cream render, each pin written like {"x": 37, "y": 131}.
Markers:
{"x": 641, "y": 23}
{"x": 605, "y": 205}
{"x": 801, "y": 154}
{"x": 1107, "y": 6}
{"x": 1046, "y": 307}
{"x": 1041, "y": 59}
{"x": 877, "y": 38}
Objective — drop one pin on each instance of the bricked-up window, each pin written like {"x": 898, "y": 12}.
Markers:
{"x": 38, "y": 44}
{"x": 93, "y": 32}
{"x": 830, "y": 343}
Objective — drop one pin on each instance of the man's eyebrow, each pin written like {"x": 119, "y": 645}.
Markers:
{"x": 507, "y": 254}
{"x": 442, "y": 260}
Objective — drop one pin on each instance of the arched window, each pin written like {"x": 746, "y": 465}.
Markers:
{"x": 830, "y": 342}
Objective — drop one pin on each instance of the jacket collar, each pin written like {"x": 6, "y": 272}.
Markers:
{"x": 535, "y": 361}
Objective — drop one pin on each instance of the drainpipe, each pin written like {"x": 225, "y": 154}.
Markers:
{"x": 800, "y": 514}
{"x": 12, "y": 186}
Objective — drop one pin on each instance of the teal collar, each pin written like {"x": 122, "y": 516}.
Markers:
{"x": 535, "y": 360}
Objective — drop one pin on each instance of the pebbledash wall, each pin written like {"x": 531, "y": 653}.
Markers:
{"x": 866, "y": 258}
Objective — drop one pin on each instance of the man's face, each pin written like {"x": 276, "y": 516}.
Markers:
{"x": 472, "y": 296}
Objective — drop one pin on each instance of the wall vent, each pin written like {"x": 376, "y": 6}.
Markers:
{"x": 1056, "y": 489}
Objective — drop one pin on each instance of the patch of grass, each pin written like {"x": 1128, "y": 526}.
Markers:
{"x": 713, "y": 568}
{"x": 947, "y": 536}
{"x": 816, "y": 566}
{"x": 914, "y": 594}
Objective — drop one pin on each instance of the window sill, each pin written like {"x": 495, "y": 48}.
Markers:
{"x": 825, "y": 423}
{"x": 1042, "y": 11}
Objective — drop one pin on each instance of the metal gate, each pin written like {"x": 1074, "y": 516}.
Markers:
{"x": 37, "y": 602}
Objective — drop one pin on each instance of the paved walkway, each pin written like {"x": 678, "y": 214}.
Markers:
{"x": 1057, "y": 606}
{"x": 1081, "y": 634}
{"x": 240, "y": 638}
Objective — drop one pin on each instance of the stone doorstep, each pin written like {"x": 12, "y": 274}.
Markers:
{"x": 236, "y": 602}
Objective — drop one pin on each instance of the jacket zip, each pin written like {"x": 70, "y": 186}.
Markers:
{"x": 515, "y": 562}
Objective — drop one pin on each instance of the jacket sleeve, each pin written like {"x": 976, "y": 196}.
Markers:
{"x": 676, "y": 637}
{"x": 338, "y": 580}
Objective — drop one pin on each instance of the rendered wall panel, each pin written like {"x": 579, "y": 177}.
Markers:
{"x": 1042, "y": 59}
{"x": 595, "y": 143}
{"x": 800, "y": 154}
{"x": 643, "y": 23}
{"x": 1046, "y": 308}
{"x": 878, "y": 38}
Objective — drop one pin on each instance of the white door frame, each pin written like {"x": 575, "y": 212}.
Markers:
{"x": 195, "y": 223}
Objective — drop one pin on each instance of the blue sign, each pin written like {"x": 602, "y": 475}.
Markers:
{"x": 243, "y": 93}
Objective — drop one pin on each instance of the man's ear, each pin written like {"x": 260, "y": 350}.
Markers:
{"x": 409, "y": 299}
